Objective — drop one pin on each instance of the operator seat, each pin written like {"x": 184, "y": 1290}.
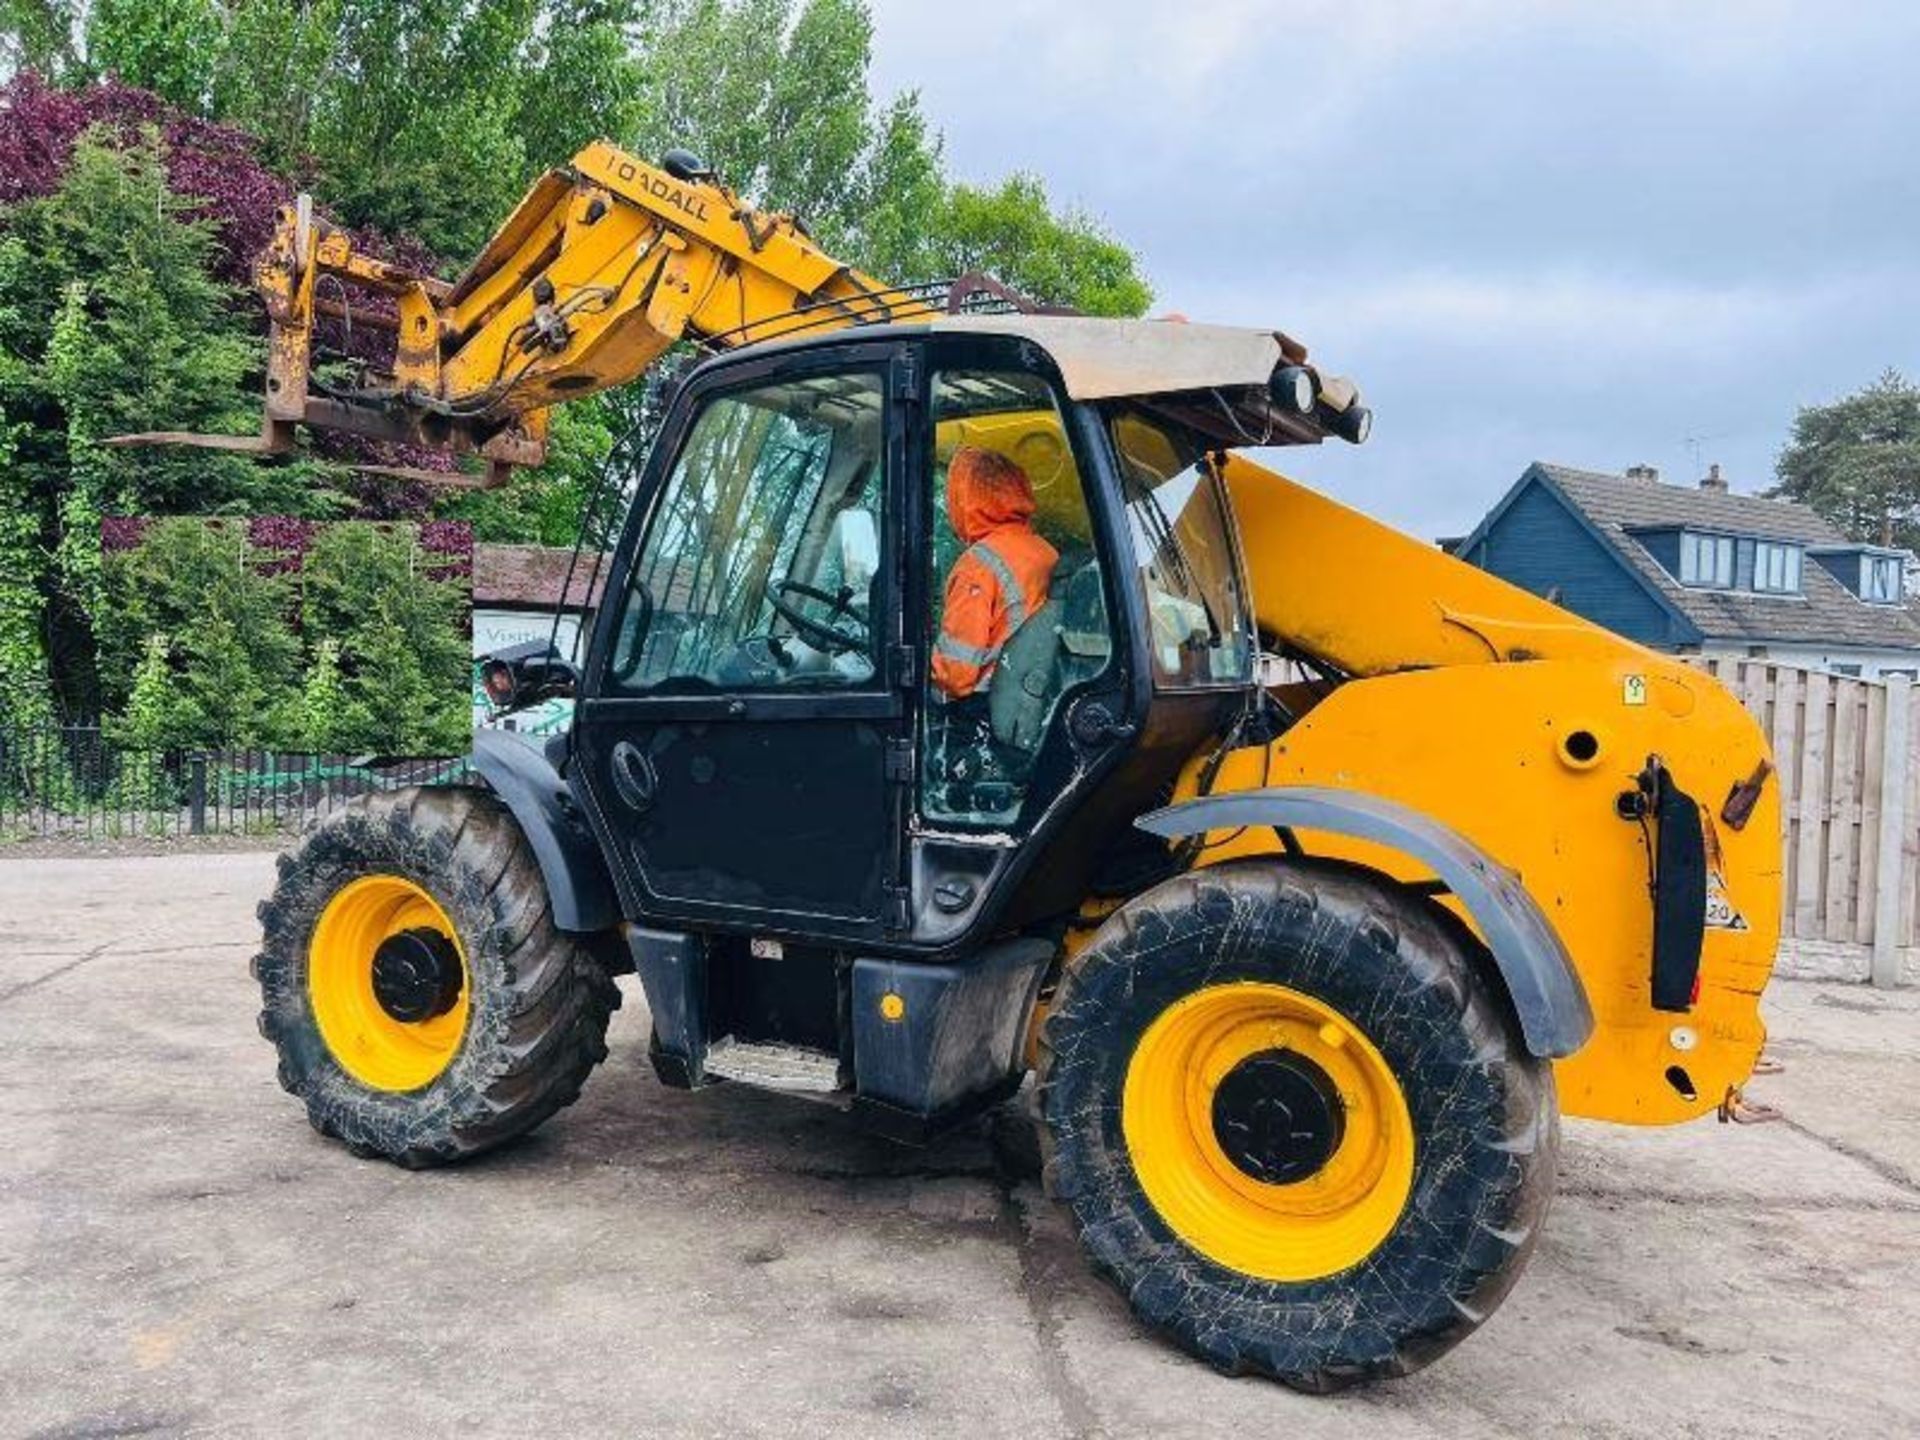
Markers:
{"x": 1062, "y": 643}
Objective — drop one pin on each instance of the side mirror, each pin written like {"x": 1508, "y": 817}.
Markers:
{"x": 523, "y": 675}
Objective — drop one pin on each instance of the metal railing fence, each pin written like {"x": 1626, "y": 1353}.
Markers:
{"x": 72, "y": 782}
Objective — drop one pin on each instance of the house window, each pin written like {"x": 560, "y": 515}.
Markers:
{"x": 1776, "y": 568}
{"x": 1880, "y": 579}
{"x": 1706, "y": 560}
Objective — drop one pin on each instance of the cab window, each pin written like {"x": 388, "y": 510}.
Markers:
{"x": 1017, "y": 609}
{"x": 760, "y": 564}
{"x": 1183, "y": 547}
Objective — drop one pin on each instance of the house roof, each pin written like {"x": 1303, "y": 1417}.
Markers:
{"x": 1826, "y": 612}
{"x": 532, "y": 577}
{"x": 1651, "y": 505}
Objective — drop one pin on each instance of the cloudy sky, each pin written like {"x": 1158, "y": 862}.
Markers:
{"x": 1597, "y": 233}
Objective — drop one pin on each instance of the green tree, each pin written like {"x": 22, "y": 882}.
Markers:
{"x": 110, "y": 322}
{"x": 234, "y": 654}
{"x": 582, "y": 78}
{"x": 273, "y": 62}
{"x": 414, "y": 129}
{"x": 40, "y": 35}
{"x": 404, "y": 654}
{"x": 402, "y": 699}
{"x": 902, "y": 197}
{"x": 384, "y": 666}
{"x": 1012, "y": 231}
{"x": 224, "y": 679}
{"x": 171, "y": 47}
{"x": 774, "y": 97}
{"x": 777, "y": 97}
{"x": 159, "y": 714}
{"x": 323, "y": 702}
{"x": 1856, "y": 462}
{"x": 25, "y": 701}
{"x": 160, "y": 717}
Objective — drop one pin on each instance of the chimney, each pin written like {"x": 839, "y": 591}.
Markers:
{"x": 1714, "y": 480}
{"x": 1643, "y": 474}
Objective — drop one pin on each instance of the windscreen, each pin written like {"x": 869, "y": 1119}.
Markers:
{"x": 1183, "y": 546}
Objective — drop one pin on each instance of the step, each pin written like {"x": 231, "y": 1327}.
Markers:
{"x": 792, "y": 1068}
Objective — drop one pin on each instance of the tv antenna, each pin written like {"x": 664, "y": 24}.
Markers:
{"x": 1696, "y": 444}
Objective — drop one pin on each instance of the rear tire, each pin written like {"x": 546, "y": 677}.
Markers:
{"x": 515, "y": 1044}
{"x": 1427, "y": 1133}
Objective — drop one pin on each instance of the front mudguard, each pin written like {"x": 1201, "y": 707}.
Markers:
{"x": 579, "y": 886}
{"x": 1548, "y": 998}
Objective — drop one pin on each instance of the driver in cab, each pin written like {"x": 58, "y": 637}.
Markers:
{"x": 1001, "y": 578}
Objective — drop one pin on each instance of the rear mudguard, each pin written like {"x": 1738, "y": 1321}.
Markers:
{"x": 578, "y": 884}
{"x": 1547, "y": 995}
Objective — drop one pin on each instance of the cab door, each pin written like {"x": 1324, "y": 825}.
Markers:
{"x": 741, "y": 740}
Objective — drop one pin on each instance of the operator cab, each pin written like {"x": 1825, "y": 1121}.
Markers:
{"x": 760, "y": 736}
{"x": 771, "y": 759}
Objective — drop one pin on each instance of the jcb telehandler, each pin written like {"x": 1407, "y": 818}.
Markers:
{"x": 1311, "y": 871}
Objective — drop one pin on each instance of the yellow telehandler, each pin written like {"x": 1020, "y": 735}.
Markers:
{"x": 1311, "y": 871}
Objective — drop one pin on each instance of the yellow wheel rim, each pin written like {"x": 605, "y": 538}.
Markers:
{"x": 372, "y": 1045}
{"x": 1305, "y": 1229}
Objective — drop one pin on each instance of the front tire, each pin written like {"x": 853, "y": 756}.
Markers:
{"x": 1296, "y": 1126}
{"x": 423, "y": 1004}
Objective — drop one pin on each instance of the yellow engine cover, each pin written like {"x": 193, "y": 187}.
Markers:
{"x": 1499, "y": 753}
{"x": 1518, "y": 725}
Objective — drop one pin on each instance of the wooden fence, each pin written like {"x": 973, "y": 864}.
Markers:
{"x": 1850, "y": 807}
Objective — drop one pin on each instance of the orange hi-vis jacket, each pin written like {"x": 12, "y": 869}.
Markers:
{"x": 1000, "y": 580}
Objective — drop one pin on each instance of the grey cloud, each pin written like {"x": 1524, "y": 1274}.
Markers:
{"x": 1582, "y": 232}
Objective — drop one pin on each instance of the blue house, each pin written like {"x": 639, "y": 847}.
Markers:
{"x": 1696, "y": 569}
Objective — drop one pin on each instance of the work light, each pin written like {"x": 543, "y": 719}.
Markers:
{"x": 1292, "y": 388}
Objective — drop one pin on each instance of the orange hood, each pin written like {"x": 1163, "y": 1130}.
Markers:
{"x": 986, "y": 490}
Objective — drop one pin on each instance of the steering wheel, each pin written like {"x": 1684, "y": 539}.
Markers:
{"x": 822, "y": 634}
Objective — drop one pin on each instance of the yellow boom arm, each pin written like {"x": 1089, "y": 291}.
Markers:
{"x": 603, "y": 266}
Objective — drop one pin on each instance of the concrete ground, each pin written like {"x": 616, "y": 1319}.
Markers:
{"x": 179, "y": 1253}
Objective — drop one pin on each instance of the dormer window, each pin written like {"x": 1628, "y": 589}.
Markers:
{"x": 1880, "y": 579}
{"x": 1776, "y": 568}
{"x": 1706, "y": 560}
{"x": 1875, "y": 574}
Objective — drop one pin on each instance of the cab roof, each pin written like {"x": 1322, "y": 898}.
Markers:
{"x": 1214, "y": 376}
{"x": 1104, "y": 359}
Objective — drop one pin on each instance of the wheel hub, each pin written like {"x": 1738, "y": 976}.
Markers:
{"x": 1278, "y": 1117}
{"x": 416, "y": 975}
{"x": 1267, "y": 1130}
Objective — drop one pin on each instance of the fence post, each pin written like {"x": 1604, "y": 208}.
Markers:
{"x": 1895, "y": 823}
{"x": 197, "y": 795}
